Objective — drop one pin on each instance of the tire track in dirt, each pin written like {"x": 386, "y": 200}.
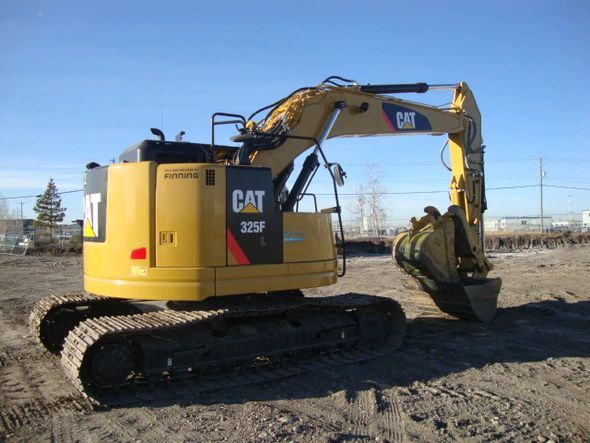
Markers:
{"x": 141, "y": 423}
{"x": 355, "y": 414}
{"x": 110, "y": 425}
{"x": 489, "y": 410}
{"x": 30, "y": 393}
{"x": 114, "y": 422}
{"x": 242, "y": 423}
{"x": 542, "y": 391}
{"x": 391, "y": 412}
{"x": 443, "y": 403}
{"x": 14, "y": 417}
{"x": 62, "y": 432}
{"x": 373, "y": 413}
{"x": 72, "y": 429}
{"x": 352, "y": 414}
{"x": 315, "y": 412}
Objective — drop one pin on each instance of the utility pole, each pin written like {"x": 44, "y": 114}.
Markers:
{"x": 22, "y": 220}
{"x": 541, "y": 175}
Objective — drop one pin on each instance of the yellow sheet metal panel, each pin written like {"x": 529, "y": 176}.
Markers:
{"x": 302, "y": 278}
{"x": 190, "y": 215}
{"x": 233, "y": 280}
{"x": 307, "y": 237}
{"x": 128, "y": 205}
{"x": 309, "y": 257}
{"x": 261, "y": 278}
{"x": 177, "y": 223}
{"x": 130, "y": 213}
{"x": 192, "y": 284}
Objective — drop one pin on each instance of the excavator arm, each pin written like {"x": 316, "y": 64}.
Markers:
{"x": 443, "y": 253}
{"x": 361, "y": 112}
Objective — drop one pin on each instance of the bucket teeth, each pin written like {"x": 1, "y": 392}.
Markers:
{"x": 472, "y": 299}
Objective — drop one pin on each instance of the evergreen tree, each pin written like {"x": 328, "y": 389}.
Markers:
{"x": 48, "y": 208}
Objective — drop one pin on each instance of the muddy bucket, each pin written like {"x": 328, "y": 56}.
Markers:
{"x": 470, "y": 299}
{"x": 446, "y": 262}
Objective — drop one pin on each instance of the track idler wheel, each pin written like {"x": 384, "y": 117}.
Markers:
{"x": 56, "y": 326}
{"x": 111, "y": 364}
{"x": 379, "y": 325}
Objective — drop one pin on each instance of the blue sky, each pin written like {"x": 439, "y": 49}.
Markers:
{"x": 81, "y": 81}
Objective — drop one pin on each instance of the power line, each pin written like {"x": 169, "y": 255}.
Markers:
{"x": 553, "y": 214}
{"x": 577, "y": 188}
{"x": 510, "y": 187}
{"x": 567, "y": 160}
{"x": 502, "y": 160}
{"x": 569, "y": 180}
{"x": 38, "y": 195}
{"x": 352, "y": 194}
{"x": 430, "y": 192}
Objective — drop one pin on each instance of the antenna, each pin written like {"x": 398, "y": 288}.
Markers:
{"x": 541, "y": 175}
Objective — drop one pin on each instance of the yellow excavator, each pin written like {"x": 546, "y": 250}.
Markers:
{"x": 195, "y": 254}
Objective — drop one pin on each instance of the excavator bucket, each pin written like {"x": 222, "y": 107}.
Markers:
{"x": 447, "y": 268}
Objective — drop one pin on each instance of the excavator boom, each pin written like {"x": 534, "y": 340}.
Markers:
{"x": 363, "y": 111}
{"x": 442, "y": 253}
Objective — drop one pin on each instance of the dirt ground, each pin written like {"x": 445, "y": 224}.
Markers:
{"x": 524, "y": 377}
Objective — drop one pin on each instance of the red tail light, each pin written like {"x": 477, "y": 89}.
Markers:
{"x": 139, "y": 254}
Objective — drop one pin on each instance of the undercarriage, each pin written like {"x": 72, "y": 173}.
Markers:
{"x": 232, "y": 341}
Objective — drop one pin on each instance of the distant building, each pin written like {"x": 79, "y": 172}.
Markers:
{"x": 566, "y": 225}
{"x": 491, "y": 224}
{"x": 17, "y": 227}
{"x": 516, "y": 224}
{"x": 70, "y": 230}
{"x": 586, "y": 219}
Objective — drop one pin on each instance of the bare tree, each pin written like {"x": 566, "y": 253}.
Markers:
{"x": 369, "y": 206}
{"x": 4, "y": 214}
{"x": 359, "y": 208}
{"x": 376, "y": 199}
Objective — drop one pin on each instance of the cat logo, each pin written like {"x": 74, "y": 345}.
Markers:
{"x": 247, "y": 202}
{"x": 91, "y": 224}
{"x": 405, "y": 120}
{"x": 400, "y": 118}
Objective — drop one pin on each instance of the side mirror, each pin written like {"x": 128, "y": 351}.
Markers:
{"x": 338, "y": 173}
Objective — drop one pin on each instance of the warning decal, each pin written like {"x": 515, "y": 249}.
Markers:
{"x": 95, "y": 202}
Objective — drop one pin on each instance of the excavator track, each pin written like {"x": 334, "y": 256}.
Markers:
{"x": 42, "y": 312}
{"x": 110, "y": 359}
{"x": 55, "y": 316}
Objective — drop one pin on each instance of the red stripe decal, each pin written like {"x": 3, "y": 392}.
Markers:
{"x": 235, "y": 249}
{"x": 388, "y": 122}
